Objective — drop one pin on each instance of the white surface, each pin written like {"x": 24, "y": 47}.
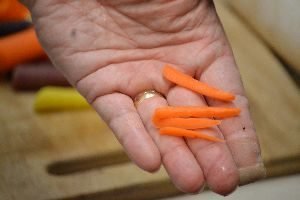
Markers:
{"x": 277, "y": 21}
{"x": 284, "y": 188}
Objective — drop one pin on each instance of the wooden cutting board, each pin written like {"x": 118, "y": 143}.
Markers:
{"x": 73, "y": 155}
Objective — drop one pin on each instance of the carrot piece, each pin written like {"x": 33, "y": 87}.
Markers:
{"x": 193, "y": 111}
{"x": 190, "y": 83}
{"x": 188, "y": 133}
{"x": 19, "y": 48}
{"x": 186, "y": 123}
{"x": 12, "y": 10}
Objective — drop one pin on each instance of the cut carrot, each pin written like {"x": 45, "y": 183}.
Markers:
{"x": 186, "y": 123}
{"x": 19, "y": 48}
{"x": 190, "y": 83}
{"x": 193, "y": 111}
{"x": 187, "y": 133}
{"x": 13, "y": 10}
{"x": 180, "y": 121}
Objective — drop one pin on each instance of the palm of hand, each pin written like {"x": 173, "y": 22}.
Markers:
{"x": 113, "y": 51}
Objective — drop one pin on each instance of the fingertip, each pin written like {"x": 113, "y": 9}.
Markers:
{"x": 148, "y": 159}
{"x": 224, "y": 183}
{"x": 192, "y": 184}
{"x": 187, "y": 177}
{"x": 183, "y": 169}
{"x": 151, "y": 164}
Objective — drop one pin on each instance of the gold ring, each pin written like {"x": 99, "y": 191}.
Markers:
{"x": 147, "y": 94}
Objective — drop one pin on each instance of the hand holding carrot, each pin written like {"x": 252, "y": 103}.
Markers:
{"x": 116, "y": 50}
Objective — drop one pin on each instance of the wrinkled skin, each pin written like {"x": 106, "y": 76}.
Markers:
{"x": 112, "y": 50}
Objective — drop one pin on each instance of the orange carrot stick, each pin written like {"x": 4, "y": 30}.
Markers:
{"x": 13, "y": 10}
{"x": 187, "y": 133}
{"x": 190, "y": 83}
{"x": 19, "y": 48}
{"x": 186, "y": 123}
{"x": 193, "y": 111}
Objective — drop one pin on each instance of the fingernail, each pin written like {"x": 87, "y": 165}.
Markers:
{"x": 252, "y": 174}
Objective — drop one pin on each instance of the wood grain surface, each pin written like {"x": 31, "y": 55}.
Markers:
{"x": 73, "y": 155}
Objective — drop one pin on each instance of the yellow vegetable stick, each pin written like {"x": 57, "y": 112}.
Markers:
{"x": 59, "y": 98}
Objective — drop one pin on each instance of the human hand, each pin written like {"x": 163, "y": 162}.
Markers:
{"x": 113, "y": 50}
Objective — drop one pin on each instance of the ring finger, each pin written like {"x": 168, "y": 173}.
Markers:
{"x": 177, "y": 158}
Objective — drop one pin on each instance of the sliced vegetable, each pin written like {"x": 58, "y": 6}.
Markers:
{"x": 186, "y": 123}
{"x": 50, "y": 99}
{"x": 33, "y": 76}
{"x": 190, "y": 83}
{"x": 13, "y": 10}
{"x": 193, "y": 111}
{"x": 19, "y": 48}
{"x": 173, "y": 131}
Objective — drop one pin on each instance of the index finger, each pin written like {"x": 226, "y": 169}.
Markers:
{"x": 239, "y": 131}
{"x": 118, "y": 111}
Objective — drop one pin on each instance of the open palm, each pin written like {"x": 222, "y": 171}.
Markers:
{"x": 113, "y": 50}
